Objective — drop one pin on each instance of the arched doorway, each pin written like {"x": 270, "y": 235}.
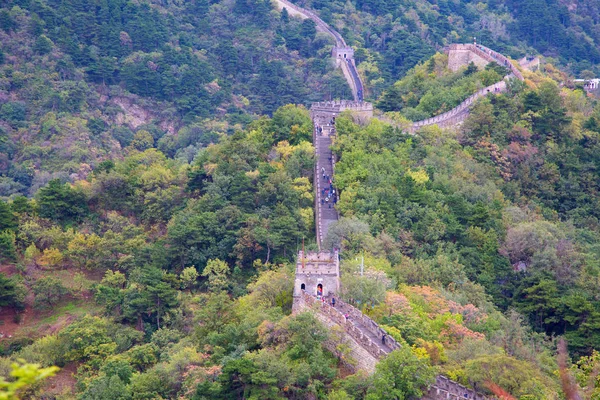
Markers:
{"x": 319, "y": 289}
{"x": 303, "y": 287}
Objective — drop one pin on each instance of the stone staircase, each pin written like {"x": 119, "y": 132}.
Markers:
{"x": 326, "y": 194}
{"x": 368, "y": 334}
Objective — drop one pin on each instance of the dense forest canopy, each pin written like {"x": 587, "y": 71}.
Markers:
{"x": 156, "y": 184}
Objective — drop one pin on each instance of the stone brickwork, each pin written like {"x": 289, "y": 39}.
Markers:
{"x": 359, "y": 357}
{"x": 362, "y": 109}
{"x": 461, "y": 55}
{"x": 446, "y": 389}
{"x": 482, "y": 53}
{"x": 342, "y": 53}
{"x": 459, "y": 113}
{"x": 456, "y": 52}
{"x": 363, "y": 338}
{"x": 317, "y": 271}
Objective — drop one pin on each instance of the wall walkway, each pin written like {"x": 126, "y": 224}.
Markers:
{"x": 326, "y": 194}
{"x": 366, "y": 348}
{"x": 347, "y": 65}
{"x": 459, "y": 113}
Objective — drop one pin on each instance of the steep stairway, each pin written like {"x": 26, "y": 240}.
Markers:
{"x": 326, "y": 194}
{"x": 368, "y": 334}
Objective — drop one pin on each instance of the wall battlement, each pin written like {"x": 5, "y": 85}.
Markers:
{"x": 317, "y": 273}
{"x": 342, "y": 105}
{"x": 365, "y": 347}
{"x": 346, "y": 53}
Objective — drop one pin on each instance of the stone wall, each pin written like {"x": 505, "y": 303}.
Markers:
{"x": 360, "y": 352}
{"x": 459, "y": 113}
{"x": 361, "y": 109}
{"x": 484, "y": 53}
{"x": 343, "y": 53}
{"x": 446, "y": 389}
{"x": 364, "y": 352}
{"x": 460, "y": 56}
{"x": 313, "y": 269}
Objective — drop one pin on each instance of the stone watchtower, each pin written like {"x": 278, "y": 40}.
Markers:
{"x": 343, "y": 53}
{"x": 316, "y": 274}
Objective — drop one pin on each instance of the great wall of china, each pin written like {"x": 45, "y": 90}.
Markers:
{"x": 318, "y": 273}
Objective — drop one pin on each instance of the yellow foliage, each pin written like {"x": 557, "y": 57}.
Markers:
{"x": 31, "y": 253}
{"x": 435, "y": 351}
{"x": 210, "y": 168}
{"x": 419, "y": 176}
{"x": 283, "y": 149}
{"x": 253, "y": 175}
{"x": 50, "y": 258}
{"x": 530, "y": 84}
{"x": 420, "y": 353}
{"x": 303, "y": 187}
{"x": 308, "y": 217}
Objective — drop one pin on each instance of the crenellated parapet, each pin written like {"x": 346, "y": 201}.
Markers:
{"x": 366, "y": 346}
{"x": 447, "y": 389}
{"x": 342, "y": 105}
{"x": 460, "y": 55}
{"x": 476, "y": 52}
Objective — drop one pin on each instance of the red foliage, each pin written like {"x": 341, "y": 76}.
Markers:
{"x": 566, "y": 379}
{"x": 499, "y": 392}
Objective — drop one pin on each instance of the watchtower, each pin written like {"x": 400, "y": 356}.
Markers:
{"x": 342, "y": 53}
{"x": 317, "y": 273}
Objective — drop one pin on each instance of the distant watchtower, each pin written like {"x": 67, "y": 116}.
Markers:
{"x": 342, "y": 53}
{"x": 317, "y": 274}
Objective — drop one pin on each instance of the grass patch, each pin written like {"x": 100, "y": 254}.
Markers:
{"x": 62, "y": 313}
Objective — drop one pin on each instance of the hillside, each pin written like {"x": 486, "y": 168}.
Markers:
{"x": 157, "y": 162}
{"x": 392, "y": 36}
{"x": 175, "y": 77}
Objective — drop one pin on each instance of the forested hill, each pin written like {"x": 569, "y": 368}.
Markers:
{"x": 80, "y": 79}
{"x": 391, "y": 36}
{"x": 157, "y": 182}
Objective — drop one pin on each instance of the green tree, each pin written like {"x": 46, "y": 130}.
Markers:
{"x": 188, "y": 277}
{"x": 9, "y": 292}
{"x": 43, "y": 45}
{"x": 24, "y": 375}
{"x": 217, "y": 272}
{"x": 106, "y": 387}
{"x": 7, "y": 22}
{"x": 8, "y": 250}
{"x": 48, "y": 291}
{"x": 401, "y": 375}
{"x": 150, "y": 293}
{"x": 61, "y": 203}
{"x": 142, "y": 140}
{"x": 8, "y": 220}
{"x": 292, "y": 123}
